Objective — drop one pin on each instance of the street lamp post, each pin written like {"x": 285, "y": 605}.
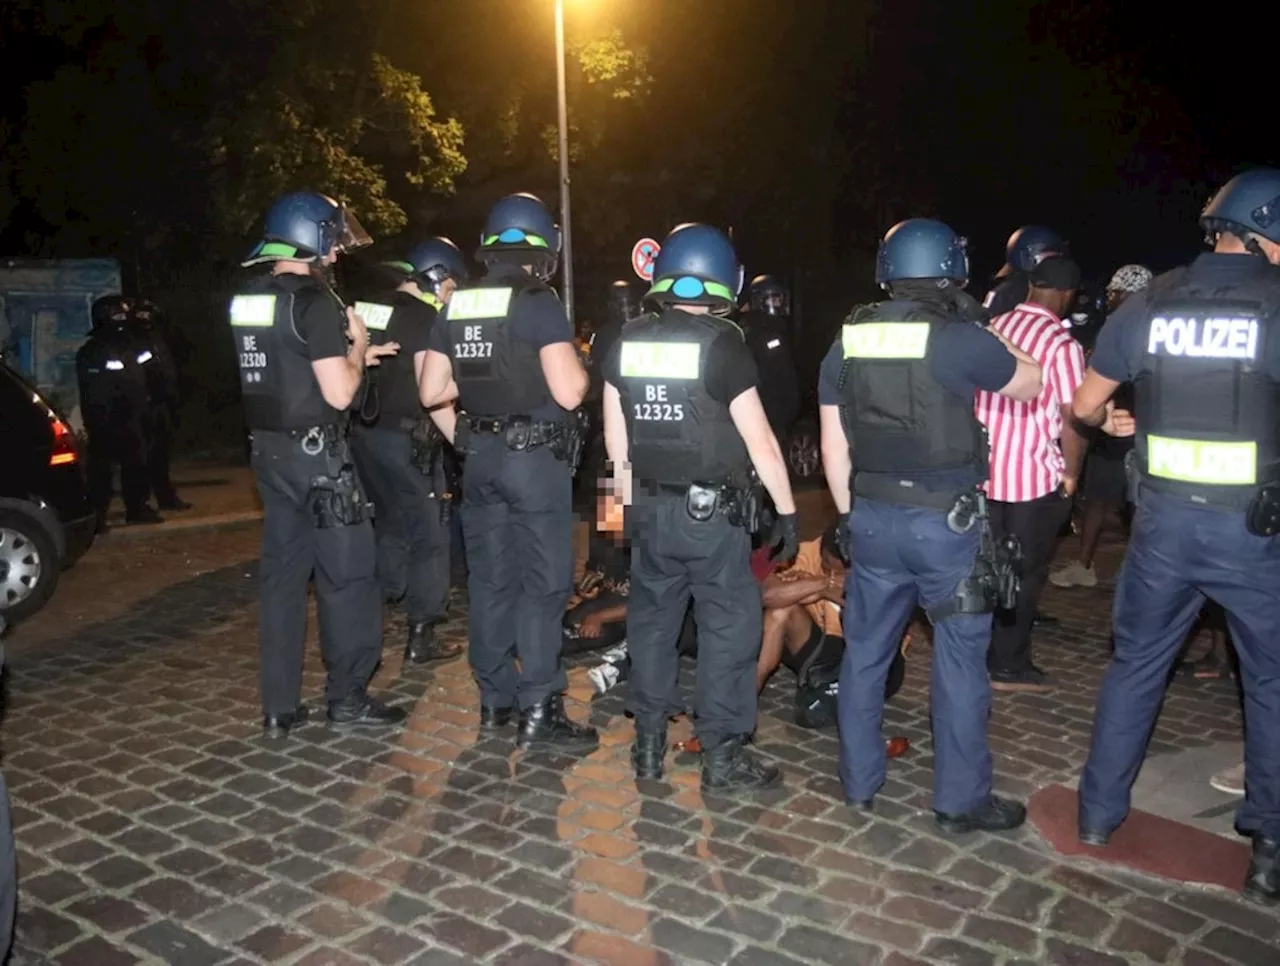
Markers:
{"x": 566, "y": 230}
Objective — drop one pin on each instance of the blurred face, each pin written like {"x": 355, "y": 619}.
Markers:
{"x": 832, "y": 564}
{"x": 447, "y": 288}
{"x": 1115, "y": 297}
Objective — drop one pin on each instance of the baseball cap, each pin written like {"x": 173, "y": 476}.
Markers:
{"x": 1130, "y": 278}
{"x": 1057, "y": 272}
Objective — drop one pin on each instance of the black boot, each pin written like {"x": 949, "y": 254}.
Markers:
{"x": 361, "y": 711}
{"x": 1262, "y": 884}
{"x": 277, "y": 726}
{"x": 995, "y": 815}
{"x": 494, "y": 719}
{"x": 423, "y": 648}
{"x": 648, "y": 752}
{"x": 143, "y": 515}
{"x": 729, "y": 768}
{"x": 546, "y": 725}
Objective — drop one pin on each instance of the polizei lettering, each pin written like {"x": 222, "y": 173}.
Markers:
{"x": 1212, "y": 338}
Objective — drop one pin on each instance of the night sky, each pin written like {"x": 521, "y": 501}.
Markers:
{"x": 1104, "y": 123}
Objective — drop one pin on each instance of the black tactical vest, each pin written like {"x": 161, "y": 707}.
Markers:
{"x": 1206, "y": 409}
{"x": 404, "y": 319}
{"x": 497, "y": 375}
{"x": 677, "y": 434}
{"x": 898, "y": 419}
{"x": 276, "y": 380}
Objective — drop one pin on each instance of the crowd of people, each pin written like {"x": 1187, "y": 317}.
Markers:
{"x": 954, "y": 437}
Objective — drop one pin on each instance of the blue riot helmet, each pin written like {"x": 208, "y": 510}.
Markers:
{"x": 1028, "y": 245}
{"x": 520, "y": 226}
{"x": 1249, "y": 202}
{"x": 920, "y": 248}
{"x": 434, "y": 262}
{"x": 768, "y": 296}
{"x": 697, "y": 266}
{"x": 306, "y": 226}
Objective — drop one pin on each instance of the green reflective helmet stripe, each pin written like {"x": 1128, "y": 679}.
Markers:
{"x": 1202, "y": 461}
{"x": 376, "y": 315}
{"x": 480, "y": 303}
{"x": 534, "y": 241}
{"x": 431, "y": 300}
{"x": 659, "y": 360}
{"x": 885, "y": 340}
{"x": 405, "y": 267}
{"x": 253, "y": 311}
{"x": 714, "y": 289}
{"x": 277, "y": 250}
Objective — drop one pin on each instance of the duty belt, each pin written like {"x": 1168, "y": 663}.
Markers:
{"x": 541, "y": 432}
{"x": 313, "y": 439}
{"x": 886, "y": 488}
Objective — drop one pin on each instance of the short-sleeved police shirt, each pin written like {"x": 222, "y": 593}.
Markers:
{"x": 964, "y": 357}
{"x": 730, "y": 369}
{"x": 539, "y": 322}
{"x": 321, "y": 324}
{"x": 1122, "y": 343}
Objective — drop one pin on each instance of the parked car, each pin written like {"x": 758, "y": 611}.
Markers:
{"x": 802, "y": 447}
{"x": 46, "y": 523}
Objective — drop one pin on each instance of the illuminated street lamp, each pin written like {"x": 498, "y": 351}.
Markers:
{"x": 566, "y": 231}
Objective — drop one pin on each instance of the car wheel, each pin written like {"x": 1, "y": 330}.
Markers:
{"x": 803, "y": 455}
{"x": 29, "y": 566}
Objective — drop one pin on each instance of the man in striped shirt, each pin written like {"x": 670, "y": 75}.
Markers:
{"x": 1033, "y": 475}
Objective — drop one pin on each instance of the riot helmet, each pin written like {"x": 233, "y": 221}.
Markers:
{"x": 520, "y": 229}
{"x": 921, "y": 248}
{"x": 432, "y": 263}
{"x": 1248, "y": 203}
{"x": 622, "y": 302}
{"x": 111, "y": 312}
{"x": 1028, "y": 245}
{"x": 768, "y": 296}
{"x": 306, "y": 226}
{"x": 697, "y": 266}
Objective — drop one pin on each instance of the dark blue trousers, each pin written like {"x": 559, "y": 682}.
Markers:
{"x": 904, "y": 557}
{"x": 1180, "y": 554}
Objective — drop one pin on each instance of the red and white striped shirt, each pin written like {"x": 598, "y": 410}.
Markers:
{"x": 1026, "y": 460}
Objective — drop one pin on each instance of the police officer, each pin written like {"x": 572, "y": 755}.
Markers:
{"x": 162, "y": 396}
{"x": 302, "y": 357}
{"x": 683, "y": 427}
{"x": 901, "y": 443}
{"x": 1026, "y": 248}
{"x": 399, "y": 451}
{"x": 767, "y": 324}
{"x": 506, "y": 352}
{"x": 113, "y": 400}
{"x": 1202, "y": 348}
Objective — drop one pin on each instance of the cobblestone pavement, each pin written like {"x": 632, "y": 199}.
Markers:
{"x": 154, "y": 827}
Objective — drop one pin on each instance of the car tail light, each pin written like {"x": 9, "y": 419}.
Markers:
{"x": 64, "y": 444}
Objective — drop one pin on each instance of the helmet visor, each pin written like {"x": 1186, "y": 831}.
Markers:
{"x": 351, "y": 234}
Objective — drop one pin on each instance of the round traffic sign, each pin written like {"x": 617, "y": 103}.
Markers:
{"x": 643, "y": 254}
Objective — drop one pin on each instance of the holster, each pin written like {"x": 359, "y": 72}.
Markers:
{"x": 744, "y": 505}
{"x": 338, "y": 501}
{"x": 1262, "y": 518}
{"x": 426, "y": 445}
{"x": 994, "y": 582}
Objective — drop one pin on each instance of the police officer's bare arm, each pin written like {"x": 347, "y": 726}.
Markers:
{"x": 1093, "y": 407}
{"x": 837, "y": 464}
{"x": 436, "y": 385}
{"x": 615, "y": 443}
{"x": 339, "y": 377}
{"x": 566, "y": 378}
{"x": 445, "y": 416}
{"x": 1028, "y": 381}
{"x": 748, "y": 417}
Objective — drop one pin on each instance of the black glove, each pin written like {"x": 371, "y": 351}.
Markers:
{"x": 842, "y": 539}
{"x": 785, "y": 539}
